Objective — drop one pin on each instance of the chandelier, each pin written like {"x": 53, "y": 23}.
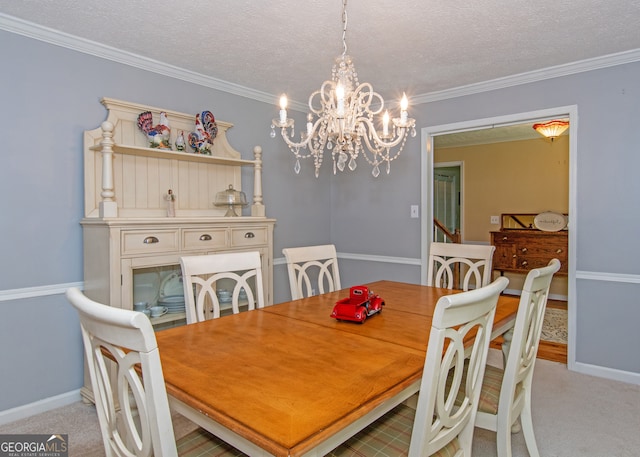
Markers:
{"x": 551, "y": 129}
{"x": 342, "y": 121}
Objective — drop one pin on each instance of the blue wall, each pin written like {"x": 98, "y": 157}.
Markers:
{"x": 49, "y": 95}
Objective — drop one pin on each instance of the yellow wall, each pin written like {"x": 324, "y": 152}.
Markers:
{"x": 529, "y": 176}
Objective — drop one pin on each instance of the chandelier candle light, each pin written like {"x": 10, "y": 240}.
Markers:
{"x": 345, "y": 111}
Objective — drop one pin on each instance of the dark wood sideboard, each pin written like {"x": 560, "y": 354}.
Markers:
{"x": 521, "y": 250}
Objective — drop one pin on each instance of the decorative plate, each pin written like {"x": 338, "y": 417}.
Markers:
{"x": 209, "y": 124}
{"x": 550, "y": 221}
{"x": 172, "y": 286}
{"x": 174, "y": 304}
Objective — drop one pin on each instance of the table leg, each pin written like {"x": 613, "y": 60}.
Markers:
{"x": 506, "y": 345}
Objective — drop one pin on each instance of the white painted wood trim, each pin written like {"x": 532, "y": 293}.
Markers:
{"x": 65, "y": 40}
{"x": 580, "y": 66}
{"x": 56, "y": 289}
{"x": 379, "y": 258}
{"x": 40, "y": 406}
{"x": 37, "y": 291}
{"x": 613, "y": 277}
{"x": 607, "y": 373}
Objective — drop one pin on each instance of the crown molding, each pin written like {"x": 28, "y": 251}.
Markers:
{"x": 29, "y": 29}
{"x": 65, "y": 40}
{"x": 581, "y": 66}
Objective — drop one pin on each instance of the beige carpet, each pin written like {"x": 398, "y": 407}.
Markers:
{"x": 80, "y": 422}
{"x": 574, "y": 415}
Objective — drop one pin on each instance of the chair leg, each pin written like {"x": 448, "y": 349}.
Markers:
{"x": 465, "y": 438}
{"x": 503, "y": 441}
{"x": 527, "y": 429}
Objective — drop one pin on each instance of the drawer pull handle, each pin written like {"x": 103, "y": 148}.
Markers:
{"x": 515, "y": 256}
{"x": 524, "y": 249}
{"x": 150, "y": 240}
{"x": 524, "y": 263}
{"x": 205, "y": 237}
{"x": 249, "y": 235}
{"x": 558, "y": 251}
{"x": 505, "y": 238}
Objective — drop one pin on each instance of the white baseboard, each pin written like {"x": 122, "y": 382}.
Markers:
{"x": 40, "y": 406}
{"x": 607, "y": 373}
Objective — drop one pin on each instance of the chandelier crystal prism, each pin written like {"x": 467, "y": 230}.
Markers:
{"x": 342, "y": 121}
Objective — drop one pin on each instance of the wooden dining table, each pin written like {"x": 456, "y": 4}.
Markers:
{"x": 289, "y": 380}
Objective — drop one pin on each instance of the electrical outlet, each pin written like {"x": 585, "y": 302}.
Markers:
{"x": 495, "y": 219}
{"x": 414, "y": 211}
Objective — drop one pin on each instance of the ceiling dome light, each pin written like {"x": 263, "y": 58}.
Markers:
{"x": 551, "y": 129}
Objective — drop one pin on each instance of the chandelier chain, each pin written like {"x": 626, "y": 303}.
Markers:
{"x": 344, "y": 28}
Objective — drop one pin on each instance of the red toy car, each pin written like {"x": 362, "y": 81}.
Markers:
{"x": 361, "y": 304}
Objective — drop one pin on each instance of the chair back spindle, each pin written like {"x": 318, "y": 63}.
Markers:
{"x": 312, "y": 268}
{"x": 459, "y": 266}
{"x": 202, "y": 276}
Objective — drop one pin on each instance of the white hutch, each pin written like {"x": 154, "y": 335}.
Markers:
{"x": 131, "y": 246}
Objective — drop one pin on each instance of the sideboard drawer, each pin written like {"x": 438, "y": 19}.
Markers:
{"x": 250, "y": 236}
{"x": 151, "y": 241}
{"x": 549, "y": 250}
{"x": 529, "y": 263}
{"x": 204, "y": 238}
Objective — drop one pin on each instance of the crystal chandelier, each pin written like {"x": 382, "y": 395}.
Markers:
{"x": 345, "y": 111}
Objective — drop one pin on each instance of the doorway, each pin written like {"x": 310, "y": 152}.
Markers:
{"x": 447, "y": 198}
{"x": 427, "y": 191}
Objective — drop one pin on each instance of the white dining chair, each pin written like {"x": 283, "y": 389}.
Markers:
{"x": 506, "y": 393}
{"x": 312, "y": 267}
{"x": 128, "y": 385}
{"x": 440, "y": 426}
{"x": 204, "y": 276}
{"x": 459, "y": 266}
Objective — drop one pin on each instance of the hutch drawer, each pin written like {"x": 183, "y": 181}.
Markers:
{"x": 250, "y": 236}
{"x": 149, "y": 241}
{"x": 204, "y": 238}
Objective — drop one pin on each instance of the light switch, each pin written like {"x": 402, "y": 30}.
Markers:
{"x": 414, "y": 211}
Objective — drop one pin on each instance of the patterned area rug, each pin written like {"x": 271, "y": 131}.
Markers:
{"x": 554, "y": 328}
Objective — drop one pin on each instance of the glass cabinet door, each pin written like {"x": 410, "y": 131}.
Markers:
{"x": 153, "y": 285}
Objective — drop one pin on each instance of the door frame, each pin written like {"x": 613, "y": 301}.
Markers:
{"x": 426, "y": 196}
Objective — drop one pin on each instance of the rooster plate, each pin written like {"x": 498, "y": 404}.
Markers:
{"x": 206, "y": 130}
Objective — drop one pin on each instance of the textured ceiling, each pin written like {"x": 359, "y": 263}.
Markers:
{"x": 417, "y": 46}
